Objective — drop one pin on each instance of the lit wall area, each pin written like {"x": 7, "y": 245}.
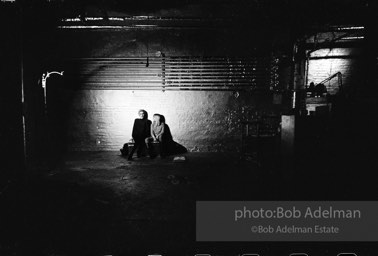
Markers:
{"x": 199, "y": 120}
{"x": 324, "y": 63}
{"x": 337, "y": 68}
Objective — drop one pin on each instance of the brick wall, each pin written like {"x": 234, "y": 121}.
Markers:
{"x": 199, "y": 120}
{"x": 102, "y": 120}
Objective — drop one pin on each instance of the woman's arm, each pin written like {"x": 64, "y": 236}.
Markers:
{"x": 161, "y": 131}
{"x": 152, "y": 131}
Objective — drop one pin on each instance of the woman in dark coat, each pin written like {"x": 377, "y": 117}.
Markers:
{"x": 141, "y": 130}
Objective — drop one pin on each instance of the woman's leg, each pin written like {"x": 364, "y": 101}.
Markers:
{"x": 132, "y": 151}
{"x": 140, "y": 147}
{"x": 148, "y": 145}
{"x": 147, "y": 141}
{"x": 136, "y": 147}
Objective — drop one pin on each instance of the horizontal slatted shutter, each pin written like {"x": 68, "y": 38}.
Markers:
{"x": 186, "y": 73}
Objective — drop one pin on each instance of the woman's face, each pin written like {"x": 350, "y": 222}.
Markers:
{"x": 157, "y": 118}
{"x": 141, "y": 114}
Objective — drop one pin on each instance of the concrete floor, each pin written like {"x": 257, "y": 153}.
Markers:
{"x": 98, "y": 203}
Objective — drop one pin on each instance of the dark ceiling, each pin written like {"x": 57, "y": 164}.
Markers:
{"x": 269, "y": 13}
{"x": 310, "y": 9}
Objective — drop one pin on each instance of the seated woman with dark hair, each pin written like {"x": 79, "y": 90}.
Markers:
{"x": 141, "y": 130}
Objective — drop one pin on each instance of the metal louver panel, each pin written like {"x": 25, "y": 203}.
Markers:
{"x": 164, "y": 73}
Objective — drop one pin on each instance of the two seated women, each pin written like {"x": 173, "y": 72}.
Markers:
{"x": 146, "y": 132}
